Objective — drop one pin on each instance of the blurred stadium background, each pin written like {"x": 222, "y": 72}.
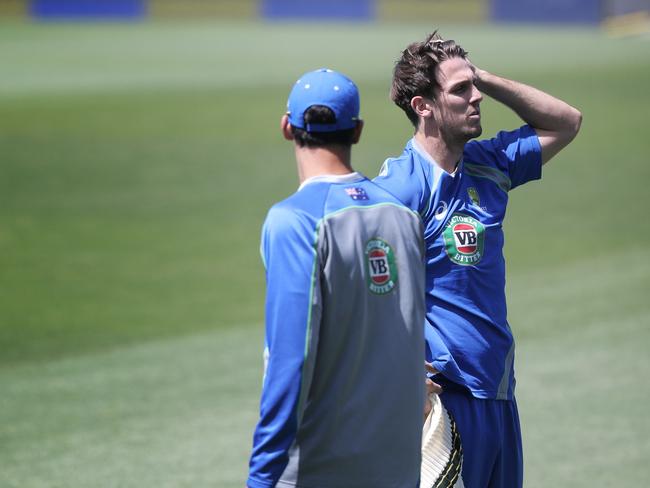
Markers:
{"x": 140, "y": 150}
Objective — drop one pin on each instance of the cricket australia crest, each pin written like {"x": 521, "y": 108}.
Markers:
{"x": 464, "y": 236}
{"x": 381, "y": 270}
{"x": 472, "y": 193}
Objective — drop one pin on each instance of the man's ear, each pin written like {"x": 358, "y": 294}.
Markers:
{"x": 285, "y": 127}
{"x": 357, "y": 131}
{"x": 422, "y": 106}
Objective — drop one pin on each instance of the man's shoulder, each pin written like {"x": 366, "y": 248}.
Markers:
{"x": 299, "y": 210}
{"x": 483, "y": 151}
{"x": 358, "y": 196}
{"x": 318, "y": 201}
{"x": 410, "y": 161}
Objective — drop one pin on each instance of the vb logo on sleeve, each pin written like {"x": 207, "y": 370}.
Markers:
{"x": 381, "y": 270}
{"x": 464, "y": 238}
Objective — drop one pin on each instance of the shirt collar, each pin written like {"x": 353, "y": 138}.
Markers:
{"x": 341, "y": 179}
{"x": 427, "y": 157}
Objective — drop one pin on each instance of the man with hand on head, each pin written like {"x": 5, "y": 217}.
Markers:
{"x": 460, "y": 188}
{"x": 342, "y": 394}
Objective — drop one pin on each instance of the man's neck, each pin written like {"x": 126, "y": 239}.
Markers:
{"x": 445, "y": 155}
{"x": 332, "y": 160}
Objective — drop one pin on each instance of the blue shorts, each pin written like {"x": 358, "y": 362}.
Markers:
{"x": 491, "y": 439}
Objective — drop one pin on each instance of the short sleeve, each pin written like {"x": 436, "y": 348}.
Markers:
{"x": 517, "y": 154}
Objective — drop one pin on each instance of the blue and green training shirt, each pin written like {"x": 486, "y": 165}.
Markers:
{"x": 343, "y": 390}
{"x": 467, "y": 333}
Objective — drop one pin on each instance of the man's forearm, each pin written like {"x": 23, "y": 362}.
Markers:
{"x": 538, "y": 109}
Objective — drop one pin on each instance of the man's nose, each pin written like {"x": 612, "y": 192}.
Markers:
{"x": 477, "y": 96}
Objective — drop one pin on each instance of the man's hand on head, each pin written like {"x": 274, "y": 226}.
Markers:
{"x": 479, "y": 74}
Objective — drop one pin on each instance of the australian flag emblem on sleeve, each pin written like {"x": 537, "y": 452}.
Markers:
{"x": 356, "y": 193}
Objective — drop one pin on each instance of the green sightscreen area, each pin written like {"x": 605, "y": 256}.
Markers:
{"x": 137, "y": 162}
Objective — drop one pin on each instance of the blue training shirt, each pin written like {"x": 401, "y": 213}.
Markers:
{"x": 343, "y": 390}
{"x": 468, "y": 336}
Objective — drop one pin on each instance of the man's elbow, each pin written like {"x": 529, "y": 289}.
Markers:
{"x": 553, "y": 141}
{"x": 574, "y": 123}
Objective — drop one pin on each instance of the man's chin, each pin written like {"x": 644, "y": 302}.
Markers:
{"x": 474, "y": 132}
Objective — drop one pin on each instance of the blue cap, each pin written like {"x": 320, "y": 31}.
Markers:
{"x": 324, "y": 87}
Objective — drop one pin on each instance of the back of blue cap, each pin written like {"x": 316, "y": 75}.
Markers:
{"x": 330, "y": 89}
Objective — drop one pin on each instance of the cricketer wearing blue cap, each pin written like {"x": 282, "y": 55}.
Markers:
{"x": 342, "y": 395}
{"x": 460, "y": 188}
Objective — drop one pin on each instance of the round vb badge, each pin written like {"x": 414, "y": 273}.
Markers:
{"x": 381, "y": 270}
{"x": 464, "y": 237}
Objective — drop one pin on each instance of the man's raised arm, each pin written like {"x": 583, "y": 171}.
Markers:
{"x": 556, "y": 122}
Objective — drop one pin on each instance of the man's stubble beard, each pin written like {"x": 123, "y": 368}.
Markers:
{"x": 461, "y": 138}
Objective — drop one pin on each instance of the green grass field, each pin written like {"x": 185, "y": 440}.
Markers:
{"x": 136, "y": 166}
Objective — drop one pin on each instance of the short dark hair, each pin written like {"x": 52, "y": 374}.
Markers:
{"x": 415, "y": 71}
{"x": 320, "y": 114}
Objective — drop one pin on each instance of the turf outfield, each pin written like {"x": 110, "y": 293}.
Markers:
{"x": 137, "y": 163}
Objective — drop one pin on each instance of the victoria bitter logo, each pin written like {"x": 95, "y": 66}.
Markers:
{"x": 381, "y": 270}
{"x": 464, "y": 236}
